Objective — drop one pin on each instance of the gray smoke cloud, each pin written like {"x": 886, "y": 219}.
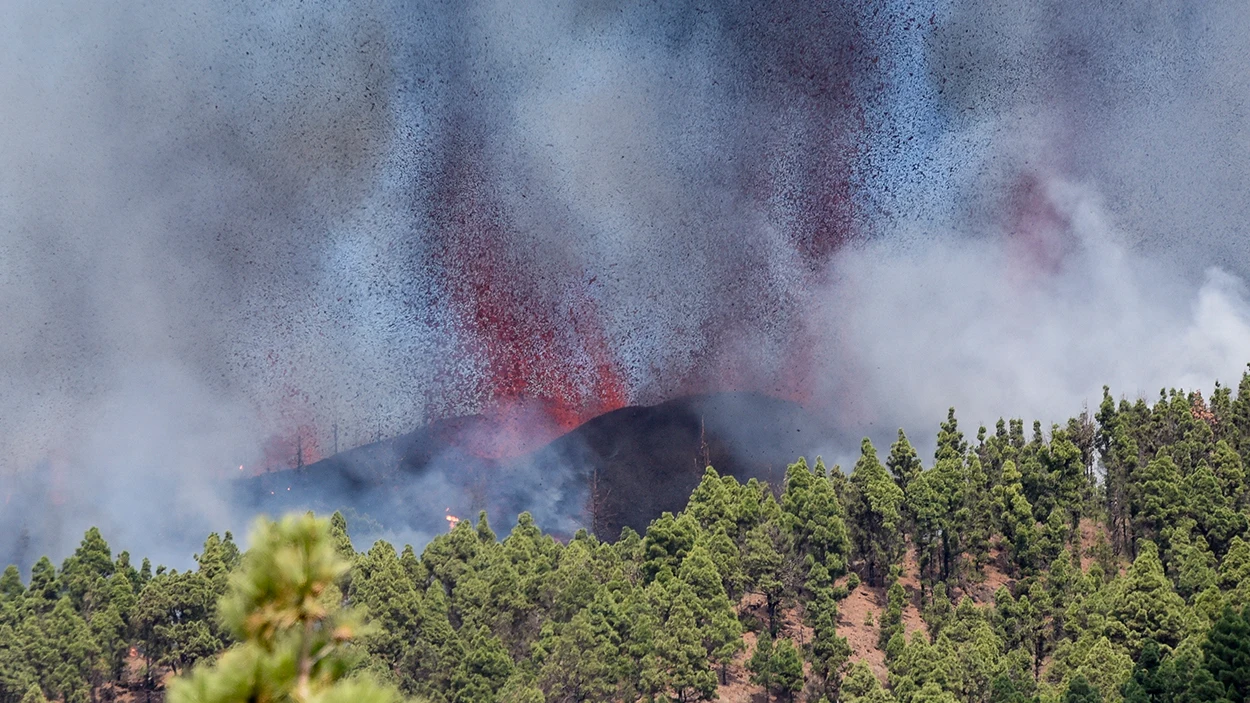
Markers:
{"x": 222, "y": 220}
{"x": 169, "y": 174}
{"x": 1071, "y": 215}
{"x": 927, "y": 320}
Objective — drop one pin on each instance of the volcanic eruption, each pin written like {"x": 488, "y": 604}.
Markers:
{"x": 452, "y": 249}
{"x": 594, "y": 270}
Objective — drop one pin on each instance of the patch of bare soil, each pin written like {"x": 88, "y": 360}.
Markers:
{"x": 130, "y": 688}
{"x": 793, "y": 627}
{"x": 738, "y": 687}
{"x": 790, "y": 625}
{"x": 910, "y": 577}
{"x": 996, "y": 577}
{"x": 863, "y": 638}
{"x": 993, "y": 575}
{"x": 912, "y": 621}
{"x": 1089, "y": 531}
{"x": 910, "y": 580}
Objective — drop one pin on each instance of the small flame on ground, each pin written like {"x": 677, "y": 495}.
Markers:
{"x": 452, "y": 521}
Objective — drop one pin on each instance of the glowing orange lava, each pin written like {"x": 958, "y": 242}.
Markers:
{"x": 544, "y": 362}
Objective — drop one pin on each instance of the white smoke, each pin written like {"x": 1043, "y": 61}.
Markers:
{"x": 929, "y": 319}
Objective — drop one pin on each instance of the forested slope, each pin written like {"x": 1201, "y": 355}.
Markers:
{"x": 1102, "y": 559}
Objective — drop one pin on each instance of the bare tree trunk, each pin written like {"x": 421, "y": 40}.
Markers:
{"x": 302, "y": 692}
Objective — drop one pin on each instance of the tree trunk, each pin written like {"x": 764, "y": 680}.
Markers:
{"x": 772, "y": 615}
{"x": 302, "y": 692}
{"x": 946, "y": 556}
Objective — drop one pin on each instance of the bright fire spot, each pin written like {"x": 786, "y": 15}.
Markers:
{"x": 240, "y": 467}
{"x": 452, "y": 521}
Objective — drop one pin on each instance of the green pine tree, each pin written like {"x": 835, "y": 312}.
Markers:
{"x": 284, "y": 609}
{"x": 1079, "y": 691}
{"x": 1145, "y": 606}
{"x": 1227, "y": 653}
{"x": 787, "y": 669}
{"x": 11, "y": 587}
{"x": 760, "y": 663}
{"x": 810, "y": 511}
{"x": 874, "y": 511}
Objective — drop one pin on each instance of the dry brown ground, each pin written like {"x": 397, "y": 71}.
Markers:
{"x": 910, "y": 579}
{"x": 992, "y": 577}
{"x": 863, "y": 638}
{"x": 129, "y": 690}
{"x": 853, "y": 611}
{"x": 739, "y": 688}
{"x": 1089, "y": 531}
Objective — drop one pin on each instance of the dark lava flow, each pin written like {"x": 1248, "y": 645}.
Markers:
{"x": 622, "y": 468}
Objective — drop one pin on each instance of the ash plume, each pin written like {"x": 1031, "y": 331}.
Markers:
{"x": 230, "y": 229}
{"x": 996, "y": 338}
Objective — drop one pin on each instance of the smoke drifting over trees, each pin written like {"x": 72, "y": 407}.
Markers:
{"x": 222, "y": 222}
{"x": 1104, "y": 559}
